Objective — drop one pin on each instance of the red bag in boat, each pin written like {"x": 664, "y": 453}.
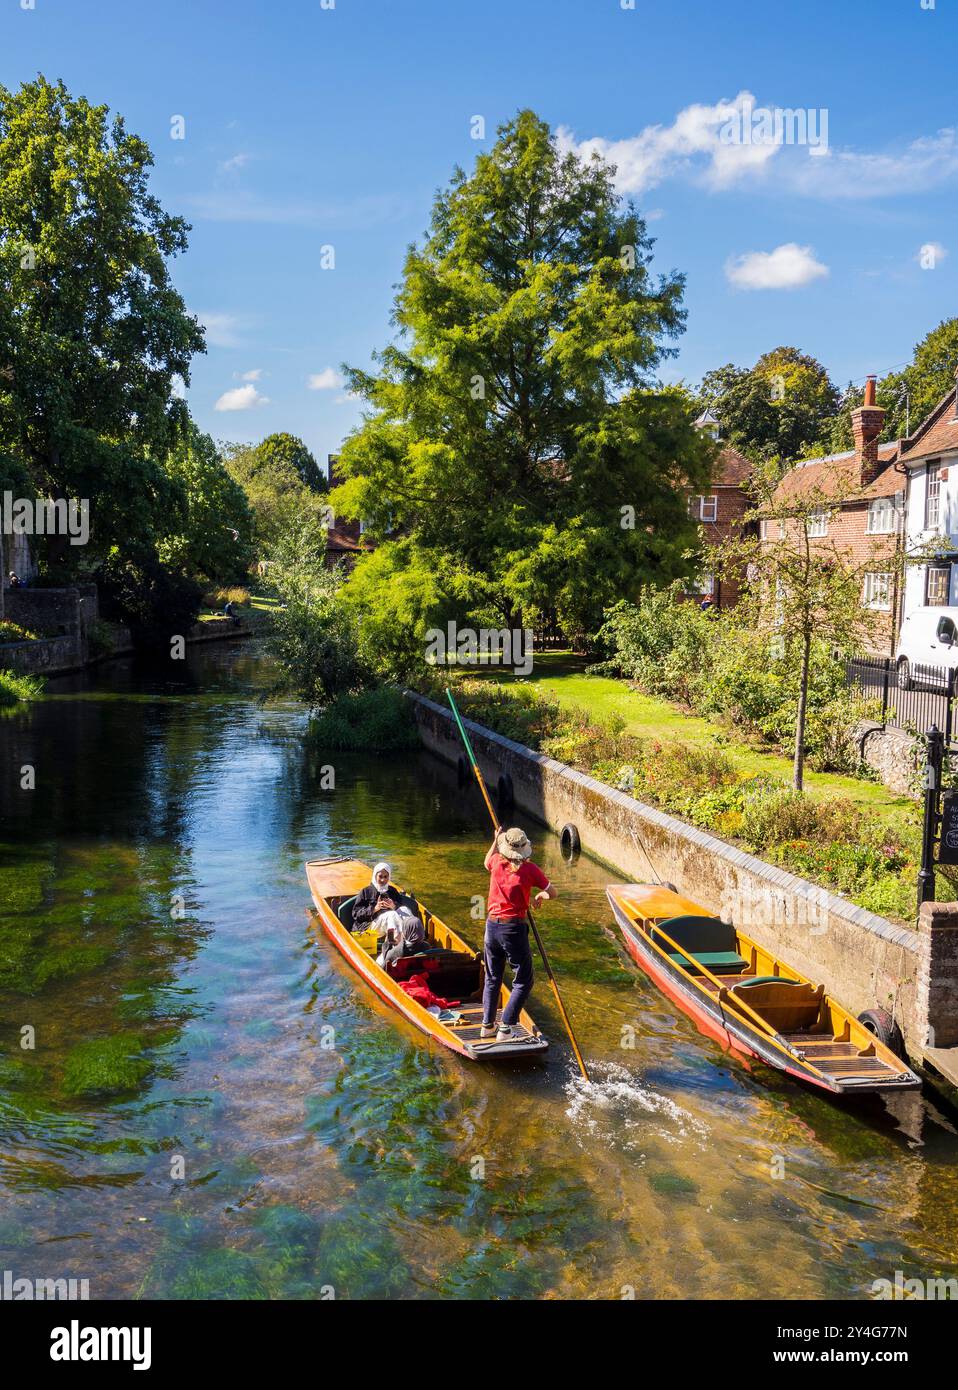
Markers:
{"x": 417, "y": 987}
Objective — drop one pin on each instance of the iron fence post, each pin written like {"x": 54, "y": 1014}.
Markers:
{"x": 884, "y": 693}
{"x": 926, "y": 874}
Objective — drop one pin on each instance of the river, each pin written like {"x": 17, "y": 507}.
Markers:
{"x": 199, "y": 1100}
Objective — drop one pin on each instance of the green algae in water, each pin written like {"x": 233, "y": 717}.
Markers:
{"x": 672, "y": 1185}
{"x": 106, "y": 1066}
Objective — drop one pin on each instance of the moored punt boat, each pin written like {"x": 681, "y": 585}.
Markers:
{"x": 746, "y": 999}
{"x": 453, "y": 969}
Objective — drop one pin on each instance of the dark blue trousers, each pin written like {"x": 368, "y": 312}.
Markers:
{"x": 506, "y": 941}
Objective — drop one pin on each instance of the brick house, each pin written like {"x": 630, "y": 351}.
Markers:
{"x": 720, "y": 513}
{"x": 867, "y": 519}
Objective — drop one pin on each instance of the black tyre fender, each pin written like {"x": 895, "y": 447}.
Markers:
{"x": 462, "y": 771}
{"x": 570, "y": 842}
{"x": 505, "y": 793}
{"x": 885, "y": 1029}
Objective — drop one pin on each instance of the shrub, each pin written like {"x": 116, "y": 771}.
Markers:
{"x": 380, "y": 720}
{"x": 13, "y": 632}
{"x": 14, "y": 688}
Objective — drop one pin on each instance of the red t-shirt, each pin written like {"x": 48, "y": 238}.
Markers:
{"x": 511, "y": 885}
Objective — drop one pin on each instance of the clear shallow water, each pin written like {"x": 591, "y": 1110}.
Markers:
{"x": 280, "y": 1133}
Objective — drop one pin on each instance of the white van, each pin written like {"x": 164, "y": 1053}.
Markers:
{"x": 928, "y": 639}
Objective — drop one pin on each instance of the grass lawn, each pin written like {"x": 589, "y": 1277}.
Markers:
{"x": 562, "y": 675}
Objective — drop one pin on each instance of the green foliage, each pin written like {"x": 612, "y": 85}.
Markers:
{"x": 216, "y": 539}
{"x": 155, "y": 603}
{"x": 380, "y": 720}
{"x": 517, "y": 420}
{"x": 314, "y": 636}
{"x": 92, "y": 333}
{"x": 282, "y": 483}
{"x": 281, "y": 452}
{"x": 14, "y": 688}
{"x": 780, "y": 408}
{"x": 13, "y": 632}
{"x": 718, "y": 665}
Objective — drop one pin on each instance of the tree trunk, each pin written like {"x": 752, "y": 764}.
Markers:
{"x": 798, "y": 766}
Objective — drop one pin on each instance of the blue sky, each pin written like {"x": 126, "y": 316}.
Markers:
{"x": 307, "y": 127}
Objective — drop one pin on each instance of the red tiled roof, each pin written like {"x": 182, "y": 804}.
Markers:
{"x": 337, "y": 540}
{"x": 936, "y": 434}
{"x": 839, "y": 473}
{"x": 733, "y": 469}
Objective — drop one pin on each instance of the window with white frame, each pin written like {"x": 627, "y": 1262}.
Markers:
{"x": 703, "y": 508}
{"x": 702, "y": 584}
{"x": 818, "y": 523}
{"x": 932, "y": 496}
{"x": 764, "y": 531}
{"x": 882, "y": 516}
{"x": 877, "y": 591}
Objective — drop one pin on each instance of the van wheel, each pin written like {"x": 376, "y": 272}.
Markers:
{"x": 904, "y": 674}
{"x": 880, "y": 1023}
{"x": 569, "y": 842}
{"x": 505, "y": 793}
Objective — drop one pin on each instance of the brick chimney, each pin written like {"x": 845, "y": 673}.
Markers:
{"x": 867, "y": 421}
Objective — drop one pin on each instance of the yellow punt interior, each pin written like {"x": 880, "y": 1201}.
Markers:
{"x": 456, "y": 970}
{"x": 723, "y": 962}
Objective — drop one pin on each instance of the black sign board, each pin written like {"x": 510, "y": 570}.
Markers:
{"x": 948, "y": 845}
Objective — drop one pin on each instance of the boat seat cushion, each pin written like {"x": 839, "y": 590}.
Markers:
{"x": 726, "y": 962}
{"x": 710, "y": 940}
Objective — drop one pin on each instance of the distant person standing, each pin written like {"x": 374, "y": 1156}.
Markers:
{"x": 512, "y": 877}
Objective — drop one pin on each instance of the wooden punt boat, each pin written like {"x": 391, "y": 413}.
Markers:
{"x": 746, "y": 999}
{"x": 455, "y": 971}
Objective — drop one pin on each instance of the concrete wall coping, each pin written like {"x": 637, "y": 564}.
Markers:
{"x": 779, "y": 878}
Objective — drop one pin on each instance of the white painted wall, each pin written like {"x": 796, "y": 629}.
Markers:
{"x": 916, "y": 536}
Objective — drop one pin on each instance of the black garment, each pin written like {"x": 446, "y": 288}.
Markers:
{"x": 364, "y": 913}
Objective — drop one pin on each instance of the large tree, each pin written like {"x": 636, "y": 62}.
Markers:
{"x": 92, "y": 332}
{"x": 518, "y": 454}
{"x": 282, "y": 482}
{"x": 781, "y": 408}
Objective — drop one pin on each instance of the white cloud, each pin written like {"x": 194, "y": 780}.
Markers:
{"x": 694, "y": 139}
{"x": 241, "y": 398}
{"x": 704, "y": 143}
{"x": 178, "y": 387}
{"x": 236, "y": 162}
{"x": 785, "y": 268}
{"x": 326, "y": 380}
{"x": 222, "y": 330}
{"x": 254, "y": 375}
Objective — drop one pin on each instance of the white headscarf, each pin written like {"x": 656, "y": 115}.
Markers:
{"x": 378, "y": 869}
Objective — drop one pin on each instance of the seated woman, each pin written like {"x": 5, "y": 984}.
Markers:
{"x": 400, "y": 930}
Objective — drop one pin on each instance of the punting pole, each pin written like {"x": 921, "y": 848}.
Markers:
{"x": 532, "y": 921}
